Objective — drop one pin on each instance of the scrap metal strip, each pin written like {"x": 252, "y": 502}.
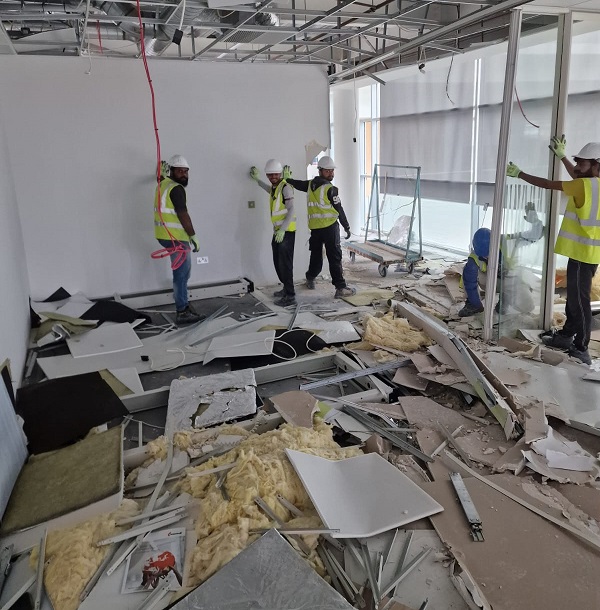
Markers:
{"x": 468, "y": 506}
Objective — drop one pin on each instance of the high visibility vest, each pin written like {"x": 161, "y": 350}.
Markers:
{"x": 579, "y": 235}
{"x": 278, "y": 209}
{"x": 170, "y": 219}
{"x": 321, "y": 213}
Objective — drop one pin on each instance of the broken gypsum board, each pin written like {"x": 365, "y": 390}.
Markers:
{"x": 588, "y": 536}
{"x": 467, "y": 505}
{"x": 228, "y": 328}
{"x": 393, "y": 438}
{"x": 396, "y": 364}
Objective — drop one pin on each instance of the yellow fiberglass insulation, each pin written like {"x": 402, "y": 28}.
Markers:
{"x": 262, "y": 469}
{"x": 396, "y": 333}
{"x": 72, "y": 556}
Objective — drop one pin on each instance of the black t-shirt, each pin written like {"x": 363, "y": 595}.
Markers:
{"x": 178, "y": 197}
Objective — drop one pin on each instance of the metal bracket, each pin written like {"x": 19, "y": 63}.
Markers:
{"x": 354, "y": 374}
{"x": 468, "y": 506}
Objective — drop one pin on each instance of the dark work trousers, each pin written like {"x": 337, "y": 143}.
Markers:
{"x": 330, "y": 238}
{"x": 283, "y": 259}
{"x": 578, "y": 308}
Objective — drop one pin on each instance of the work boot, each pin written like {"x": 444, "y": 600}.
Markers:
{"x": 279, "y": 293}
{"x": 582, "y": 355}
{"x": 346, "y": 291}
{"x": 556, "y": 339}
{"x": 286, "y": 301}
{"x": 187, "y": 316}
{"x": 310, "y": 283}
{"x": 469, "y": 310}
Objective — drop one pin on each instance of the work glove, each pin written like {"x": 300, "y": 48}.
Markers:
{"x": 348, "y": 233}
{"x": 512, "y": 171}
{"x": 558, "y": 146}
{"x": 164, "y": 169}
{"x": 254, "y": 173}
{"x": 287, "y": 172}
{"x": 530, "y": 213}
{"x": 279, "y": 235}
{"x": 194, "y": 243}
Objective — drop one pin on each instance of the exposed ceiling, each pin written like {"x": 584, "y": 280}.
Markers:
{"x": 349, "y": 37}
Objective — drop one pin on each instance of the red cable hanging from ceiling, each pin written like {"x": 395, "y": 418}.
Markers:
{"x": 175, "y": 248}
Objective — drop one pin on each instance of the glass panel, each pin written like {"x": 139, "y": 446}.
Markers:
{"x": 522, "y": 272}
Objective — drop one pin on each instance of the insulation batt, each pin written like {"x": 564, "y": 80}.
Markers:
{"x": 72, "y": 556}
{"x": 262, "y": 469}
{"x": 392, "y": 332}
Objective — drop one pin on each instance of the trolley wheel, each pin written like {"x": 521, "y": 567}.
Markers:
{"x": 411, "y": 267}
{"x": 352, "y": 256}
{"x": 382, "y": 270}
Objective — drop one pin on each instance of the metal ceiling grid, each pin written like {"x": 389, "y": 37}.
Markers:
{"x": 349, "y": 37}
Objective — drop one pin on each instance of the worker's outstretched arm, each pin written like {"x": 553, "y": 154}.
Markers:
{"x": 559, "y": 147}
{"x": 301, "y": 185}
{"x": 513, "y": 171}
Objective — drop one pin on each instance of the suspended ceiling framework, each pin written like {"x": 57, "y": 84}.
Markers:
{"x": 349, "y": 38}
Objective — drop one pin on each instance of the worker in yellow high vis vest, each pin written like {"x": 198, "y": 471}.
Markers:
{"x": 578, "y": 239}
{"x": 283, "y": 218}
{"x": 324, "y": 211}
{"x": 173, "y": 227}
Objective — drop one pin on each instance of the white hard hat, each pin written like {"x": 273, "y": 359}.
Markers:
{"x": 273, "y": 167}
{"x": 178, "y": 161}
{"x": 589, "y": 151}
{"x": 326, "y": 163}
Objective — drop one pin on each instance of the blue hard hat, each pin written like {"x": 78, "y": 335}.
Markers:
{"x": 481, "y": 242}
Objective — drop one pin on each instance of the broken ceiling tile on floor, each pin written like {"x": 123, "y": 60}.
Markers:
{"x": 407, "y": 377}
{"x": 268, "y": 574}
{"x": 296, "y": 407}
{"x": 240, "y": 345}
{"x": 336, "y": 331}
{"x": 204, "y": 401}
{"x": 375, "y": 495}
{"x": 104, "y": 340}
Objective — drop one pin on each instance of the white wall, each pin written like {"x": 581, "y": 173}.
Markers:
{"x": 14, "y": 289}
{"x": 83, "y": 155}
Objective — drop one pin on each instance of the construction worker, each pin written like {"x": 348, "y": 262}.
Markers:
{"x": 281, "y": 199}
{"x": 324, "y": 211}
{"x": 174, "y": 231}
{"x": 578, "y": 239}
{"x": 514, "y": 291}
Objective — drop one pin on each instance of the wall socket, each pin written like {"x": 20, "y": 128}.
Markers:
{"x": 202, "y": 260}
{"x": 251, "y": 204}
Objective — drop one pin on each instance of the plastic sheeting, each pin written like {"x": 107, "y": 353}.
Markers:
{"x": 268, "y": 574}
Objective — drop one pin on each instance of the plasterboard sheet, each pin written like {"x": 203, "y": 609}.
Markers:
{"x": 375, "y": 495}
{"x": 209, "y": 400}
{"x": 336, "y": 331}
{"x": 240, "y": 344}
{"x": 128, "y": 377}
{"x": 161, "y": 349}
{"x": 525, "y": 562}
{"x": 104, "y": 340}
{"x": 559, "y": 385}
{"x": 268, "y": 574}
{"x": 74, "y": 309}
